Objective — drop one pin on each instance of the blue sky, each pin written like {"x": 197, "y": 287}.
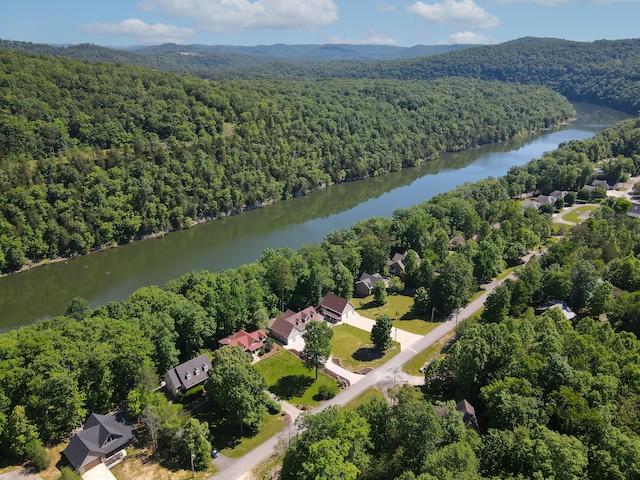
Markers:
{"x": 263, "y": 22}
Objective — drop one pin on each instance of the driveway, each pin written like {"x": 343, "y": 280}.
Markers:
{"x": 405, "y": 338}
{"x": 20, "y": 474}
{"x": 99, "y": 472}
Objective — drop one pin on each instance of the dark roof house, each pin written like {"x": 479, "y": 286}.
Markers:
{"x": 188, "y": 374}
{"x": 249, "y": 341}
{"x": 467, "y": 411}
{"x": 396, "y": 264}
{"x": 335, "y": 308}
{"x": 562, "y": 306}
{"x": 102, "y": 438}
{"x": 291, "y": 326}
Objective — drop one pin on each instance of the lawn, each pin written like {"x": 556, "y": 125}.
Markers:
{"x": 272, "y": 425}
{"x": 353, "y": 347}
{"x": 413, "y": 366}
{"x": 288, "y": 378}
{"x": 574, "y": 216}
{"x": 140, "y": 464}
{"x": 364, "y": 397}
{"x": 400, "y": 309}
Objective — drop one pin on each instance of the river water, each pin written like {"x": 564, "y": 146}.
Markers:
{"x": 229, "y": 242}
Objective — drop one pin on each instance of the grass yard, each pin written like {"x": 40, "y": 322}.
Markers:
{"x": 364, "y": 397}
{"x": 272, "y": 425}
{"x": 413, "y": 366}
{"x": 141, "y": 465}
{"x": 399, "y": 308}
{"x": 506, "y": 272}
{"x": 288, "y": 378}
{"x": 353, "y": 347}
{"x": 574, "y": 215}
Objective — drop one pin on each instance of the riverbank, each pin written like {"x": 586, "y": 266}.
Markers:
{"x": 266, "y": 203}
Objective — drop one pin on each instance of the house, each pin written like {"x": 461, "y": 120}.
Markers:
{"x": 602, "y": 183}
{"x": 187, "y": 375}
{"x": 102, "y": 439}
{"x": 336, "y": 309}
{"x": 396, "y": 264}
{"x": 364, "y": 285}
{"x": 564, "y": 308}
{"x": 533, "y": 204}
{"x": 558, "y": 194}
{"x": 550, "y": 199}
{"x": 249, "y": 341}
{"x": 291, "y": 326}
{"x": 466, "y": 409}
{"x": 635, "y": 210}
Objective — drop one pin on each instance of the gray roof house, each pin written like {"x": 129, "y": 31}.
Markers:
{"x": 396, "y": 264}
{"x": 188, "y": 374}
{"x": 561, "y": 305}
{"x": 364, "y": 285}
{"x": 101, "y": 440}
{"x": 541, "y": 199}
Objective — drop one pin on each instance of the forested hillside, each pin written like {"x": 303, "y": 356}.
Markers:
{"x": 605, "y": 72}
{"x": 97, "y": 154}
{"x": 579, "y": 405}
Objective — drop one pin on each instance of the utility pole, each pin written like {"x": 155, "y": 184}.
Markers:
{"x": 434, "y": 309}
{"x": 193, "y": 471}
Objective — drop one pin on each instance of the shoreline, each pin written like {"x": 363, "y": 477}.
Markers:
{"x": 265, "y": 203}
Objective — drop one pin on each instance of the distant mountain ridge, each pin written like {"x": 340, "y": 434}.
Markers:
{"x": 168, "y": 56}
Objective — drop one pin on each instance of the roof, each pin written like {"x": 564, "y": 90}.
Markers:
{"x": 101, "y": 435}
{"x": 397, "y": 259}
{"x": 249, "y": 341}
{"x": 335, "y": 303}
{"x": 635, "y": 210}
{"x": 370, "y": 280}
{"x": 463, "y": 407}
{"x": 190, "y": 373}
{"x": 546, "y": 199}
{"x": 285, "y": 324}
{"x": 603, "y": 183}
{"x": 564, "y": 308}
{"x": 558, "y": 193}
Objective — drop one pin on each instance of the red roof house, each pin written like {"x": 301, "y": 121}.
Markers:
{"x": 249, "y": 341}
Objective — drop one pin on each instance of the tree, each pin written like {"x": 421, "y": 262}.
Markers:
{"x": 496, "y": 307}
{"x": 334, "y": 443}
{"x": 453, "y": 287}
{"x": 380, "y": 293}
{"x": 195, "y": 437}
{"x": 422, "y": 301}
{"x": 236, "y": 388}
{"x": 68, "y": 473}
{"x": 78, "y": 308}
{"x": 381, "y": 333}
{"x": 317, "y": 345}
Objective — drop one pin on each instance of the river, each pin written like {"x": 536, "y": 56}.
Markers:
{"x": 229, "y": 242}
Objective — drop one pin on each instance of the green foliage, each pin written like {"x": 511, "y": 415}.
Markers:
{"x": 98, "y": 154}
{"x": 381, "y": 333}
{"x": 380, "y": 293}
{"x": 196, "y": 443}
{"x": 317, "y": 346}
{"x": 68, "y": 473}
{"x": 236, "y": 388}
{"x": 327, "y": 392}
{"x": 37, "y": 455}
{"x": 334, "y": 443}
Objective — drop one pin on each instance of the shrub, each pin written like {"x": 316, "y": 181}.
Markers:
{"x": 272, "y": 406}
{"x": 268, "y": 345}
{"x": 327, "y": 392}
{"x": 37, "y": 455}
{"x": 67, "y": 473}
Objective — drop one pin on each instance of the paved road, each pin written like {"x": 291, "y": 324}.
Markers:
{"x": 384, "y": 376}
{"x": 20, "y": 474}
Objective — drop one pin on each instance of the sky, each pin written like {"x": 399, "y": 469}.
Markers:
{"x": 266, "y": 22}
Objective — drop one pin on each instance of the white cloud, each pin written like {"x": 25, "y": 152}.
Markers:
{"x": 142, "y": 31}
{"x": 232, "y": 15}
{"x": 469, "y": 38}
{"x": 384, "y": 7}
{"x": 451, "y": 12}
{"x": 371, "y": 38}
{"x": 555, "y": 3}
